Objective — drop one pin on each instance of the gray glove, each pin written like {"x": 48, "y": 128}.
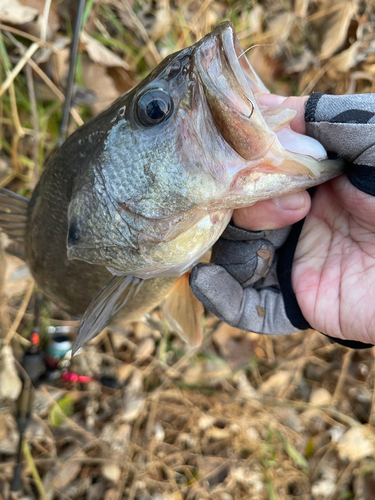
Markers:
{"x": 237, "y": 287}
{"x": 242, "y": 287}
{"x": 345, "y": 125}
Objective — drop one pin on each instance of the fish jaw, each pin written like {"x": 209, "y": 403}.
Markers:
{"x": 229, "y": 95}
{"x": 273, "y": 159}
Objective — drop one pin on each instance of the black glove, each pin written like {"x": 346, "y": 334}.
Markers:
{"x": 234, "y": 288}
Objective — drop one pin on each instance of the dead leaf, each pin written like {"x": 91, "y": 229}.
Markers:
{"x": 117, "y": 437}
{"x": 276, "y": 382}
{"x": 112, "y": 472}
{"x": 100, "y": 54}
{"x": 300, "y": 7}
{"x": 235, "y": 346}
{"x": 10, "y": 383}
{"x": 12, "y": 12}
{"x": 356, "y": 443}
{"x": 255, "y": 19}
{"x": 17, "y": 276}
{"x": 53, "y": 18}
{"x": 66, "y": 474}
{"x": 95, "y": 78}
{"x": 323, "y": 488}
{"x": 111, "y": 494}
{"x": 145, "y": 349}
{"x": 320, "y": 396}
{"x": 217, "y": 434}
{"x": 334, "y": 28}
{"x": 347, "y": 59}
{"x": 280, "y": 27}
{"x": 9, "y": 434}
{"x": 211, "y": 466}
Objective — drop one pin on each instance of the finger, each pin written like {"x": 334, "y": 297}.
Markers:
{"x": 356, "y": 202}
{"x": 295, "y": 103}
{"x": 260, "y": 311}
{"x": 275, "y": 213}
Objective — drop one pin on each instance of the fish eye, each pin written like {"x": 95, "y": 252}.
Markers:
{"x": 153, "y": 107}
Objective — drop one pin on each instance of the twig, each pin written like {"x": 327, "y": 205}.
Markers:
{"x": 34, "y": 119}
{"x": 17, "y": 68}
{"x": 142, "y": 31}
{"x": 55, "y": 90}
{"x": 372, "y": 415}
{"x": 307, "y": 90}
{"x": 197, "y": 15}
{"x": 34, "y": 111}
{"x": 17, "y": 125}
{"x": 20, "y": 313}
{"x": 349, "y": 468}
{"x": 44, "y": 23}
{"x": 32, "y": 38}
{"x": 343, "y": 373}
{"x": 34, "y": 471}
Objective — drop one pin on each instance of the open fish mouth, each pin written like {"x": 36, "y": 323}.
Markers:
{"x": 277, "y": 159}
{"x": 227, "y": 79}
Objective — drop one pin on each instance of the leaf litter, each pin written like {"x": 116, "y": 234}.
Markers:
{"x": 243, "y": 416}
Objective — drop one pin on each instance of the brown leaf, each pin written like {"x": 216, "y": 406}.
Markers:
{"x": 335, "y": 28}
{"x": 53, "y": 17}
{"x": 100, "y": 54}
{"x": 276, "y": 382}
{"x": 67, "y": 473}
{"x": 346, "y": 59}
{"x": 235, "y": 347}
{"x": 10, "y": 383}
{"x": 357, "y": 443}
{"x": 12, "y": 12}
{"x": 95, "y": 78}
{"x": 17, "y": 276}
{"x": 112, "y": 472}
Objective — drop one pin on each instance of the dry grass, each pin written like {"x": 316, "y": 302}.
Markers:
{"x": 244, "y": 416}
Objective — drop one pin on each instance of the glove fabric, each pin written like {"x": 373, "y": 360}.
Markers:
{"x": 248, "y": 283}
{"x": 242, "y": 287}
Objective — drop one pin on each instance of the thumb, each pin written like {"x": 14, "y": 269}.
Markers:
{"x": 295, "y": 103}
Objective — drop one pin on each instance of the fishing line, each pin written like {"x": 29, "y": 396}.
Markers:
{"x": 243, "y": 53}
{"x": 254, "y": 46}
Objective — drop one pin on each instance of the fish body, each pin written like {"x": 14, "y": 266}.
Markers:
{"x": 136, "y": 196}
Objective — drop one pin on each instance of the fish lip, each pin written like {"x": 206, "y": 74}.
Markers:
{"x": 223, "y": 44}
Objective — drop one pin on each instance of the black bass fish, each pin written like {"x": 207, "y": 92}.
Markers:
{"x": 134, "y": 198}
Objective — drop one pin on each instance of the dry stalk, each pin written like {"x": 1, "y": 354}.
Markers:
{"x": 343, "y": 373}
{"x": 32, "y": 38}
{"x": 20, "y": 313}
{"x": 34, "y": 471}
{"x": 21, "y": 63}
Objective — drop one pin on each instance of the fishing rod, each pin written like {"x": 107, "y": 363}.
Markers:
{"x": 72, "y": 69}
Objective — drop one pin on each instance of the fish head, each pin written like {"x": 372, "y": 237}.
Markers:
{"x": 169, "y": 161}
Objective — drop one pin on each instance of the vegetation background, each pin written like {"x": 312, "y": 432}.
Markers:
{"x": 243, "y": 416}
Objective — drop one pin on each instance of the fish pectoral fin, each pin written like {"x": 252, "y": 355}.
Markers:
{"x": 183, "y": 311}
{"x": 278, "y": 117}
{"x": 13, "y": 214}
{"x": 104, "y": 307}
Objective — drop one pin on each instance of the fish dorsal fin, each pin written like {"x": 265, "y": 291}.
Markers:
{"x": 184, "y": 311}
{"x": 105, "y": 306}
{"x": 13, "y": 214}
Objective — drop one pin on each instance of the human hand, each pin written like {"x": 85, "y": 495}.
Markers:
{"x": 333, "y": 272}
